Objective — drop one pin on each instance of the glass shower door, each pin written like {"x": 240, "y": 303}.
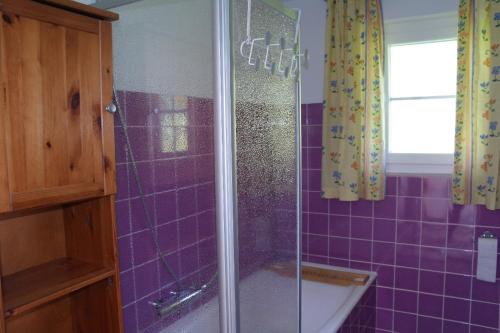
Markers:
{"x": 189, "y": 137}
{"x": 265, "y": 82}
{"x": 163, "y": 70}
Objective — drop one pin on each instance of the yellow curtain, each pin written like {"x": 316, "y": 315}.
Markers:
{"x": 353, "y": 114}
{"x": 477, "y": 143}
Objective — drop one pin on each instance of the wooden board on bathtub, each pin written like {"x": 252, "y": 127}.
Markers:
{"x": 322, "y": 275}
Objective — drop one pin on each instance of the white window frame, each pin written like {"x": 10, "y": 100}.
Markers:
{"x": 420, "y": 29}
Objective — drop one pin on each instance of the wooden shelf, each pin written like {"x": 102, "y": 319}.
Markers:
{"x": 41, "y": 284}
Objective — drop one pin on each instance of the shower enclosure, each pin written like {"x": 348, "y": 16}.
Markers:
{"x": 208, "y": 150}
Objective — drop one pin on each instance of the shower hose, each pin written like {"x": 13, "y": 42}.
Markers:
{"x": 154, "y": 236}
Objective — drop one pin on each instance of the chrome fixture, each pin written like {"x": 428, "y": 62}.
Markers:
{"x": 296, "y": 58}
{"x": 177, "y": 300}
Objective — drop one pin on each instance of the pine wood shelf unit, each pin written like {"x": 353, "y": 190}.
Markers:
{"x": 28, "y": 289}
{"x": 58, "y": 254}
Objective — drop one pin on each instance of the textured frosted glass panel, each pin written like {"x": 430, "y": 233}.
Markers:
{"x": 266, "y": 181}
{"x": 163, "y": 74}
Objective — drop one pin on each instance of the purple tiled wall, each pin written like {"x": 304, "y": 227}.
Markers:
{"x": 362, "y": 317}
{"x": 179, "y": 191}
{"x": 422, "y": 247}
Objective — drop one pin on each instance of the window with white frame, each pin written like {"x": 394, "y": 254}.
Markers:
{"x": 421, "y": 80}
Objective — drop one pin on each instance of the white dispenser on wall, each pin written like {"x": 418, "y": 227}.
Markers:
{"x": 487, "y": 257}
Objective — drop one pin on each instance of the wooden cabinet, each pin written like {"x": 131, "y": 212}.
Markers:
{"x": 56, "y": 81}
{"x": 58, "y": 259}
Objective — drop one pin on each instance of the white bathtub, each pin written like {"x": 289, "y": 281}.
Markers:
{"x": 324, "y": 307}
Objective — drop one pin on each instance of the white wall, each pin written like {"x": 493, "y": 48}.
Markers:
{"x": 164, "y": 46}
{"x": 394, "y": 9}
{"x": 313, "y": 26}
{"x": 313, "y": 39}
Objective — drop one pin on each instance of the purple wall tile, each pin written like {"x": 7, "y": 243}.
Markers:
{"x": 436, "y": 187}
{"x": 391, "y": 186}
{"x": 384, "y": 319}
{"x": 339, "y": 225}
{"x": 410, "y": 186}
{"x": 180, "y": 201}
{"x": 484, "y": 314}
{"x": 482, "y": 329}
{"x": 456, "y": 309}
{"x": 130, "y": 318}
{"x": 318, "y": 224}
{"x": 454, "y": 327}
{"x": 485, "y": 291}
{"x": 384, "y": 253}
{"x": 458, "y": 285}
{"x": 360, "y": 250}
{"x": 315, "y": 114}
{"x": 385, "y": 275}
{"x": 123, "y": 218}
{"x": 339, "y": 248}
{"x": 458, "y": 214}
{"x": 431, "y": 282}
{"x": 385, "y": 208}
{"x": 409, "y": 208}
{"x": 433, "y": 258}
{"x": 406, "y": 278}
{"x": 384, "y": 230}
{"x": 361, "y": 227}
{"x": 407, "y": 255}
{"x": 318, "y": 245}
{"x": 459, "y": 261}
{"x": 385, "y": 297}
{"x": 460, "y": 237}
{"x": 127, "y": 287}
{"x": 435, "y": 209}
{"x": 314, "y": 134}
{"x": 434, "y": 234}
{"x": 146, "y": 279}
{"x": 421, "y": 246}
{"x": 405, "y": 322}
{"x": 362, "y": 208}
{"x": 339, "y": 207}
{"x": 427, "y": 324}
{"x": 430, "y": 305}
{"x": 408, "y": 232}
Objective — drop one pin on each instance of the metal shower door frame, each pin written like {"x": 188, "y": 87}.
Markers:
{"x": 225, "y": 172}
{"x": 225, "y": 179}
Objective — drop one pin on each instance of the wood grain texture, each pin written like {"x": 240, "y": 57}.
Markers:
{"x": 108, "y": 133}
{"x": 53, "y": 122}
{"x": 87, "y": 223}
{"x": 59, "y": 263}
{"x": 82, "y": 9}
{"x": 55, "y": 317}
{"x": 55, "y": 195}
{"x": 114, "y": 292}
{"x": 95, "y": 309}
{"x": 28, "y": 289}
{"x": 48, "y": 14}
{"x": 321, "y": 275}
{"x": 31, "y": 240}
{"x": 4, "y": 177}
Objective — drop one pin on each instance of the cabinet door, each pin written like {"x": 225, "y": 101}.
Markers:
{"x": 56, "y": 76}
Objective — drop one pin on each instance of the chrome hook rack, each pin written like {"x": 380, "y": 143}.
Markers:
{"x": 282, "y": 66}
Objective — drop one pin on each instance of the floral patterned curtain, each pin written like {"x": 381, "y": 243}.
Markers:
{"x": 353, "y": 114}
{"x": 477, "y": 138}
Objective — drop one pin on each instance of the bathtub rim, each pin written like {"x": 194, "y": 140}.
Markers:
{"x": 339, "y": 317}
